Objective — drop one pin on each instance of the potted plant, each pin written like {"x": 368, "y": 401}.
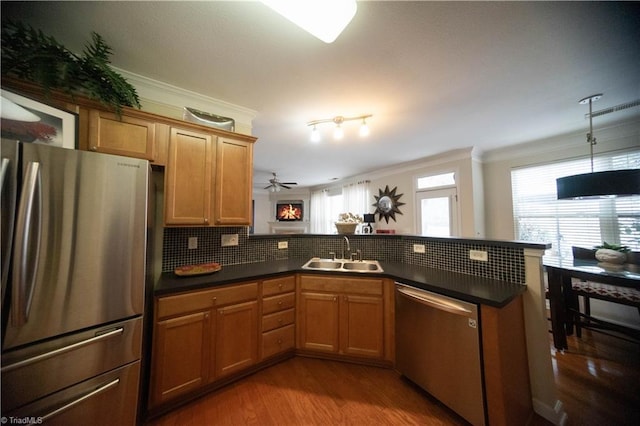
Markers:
{"x": 612, "y": 253}
{"x": 30, "y": 55}
{"x": 347, "y": 223}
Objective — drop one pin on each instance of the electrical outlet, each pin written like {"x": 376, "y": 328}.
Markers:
{"x": 192, "y": 243}
{"x": 418, "y": 248}
{"x": 229, "y": 240}
{"x": 480, "y": 255}
{"x": 283, "y": 244}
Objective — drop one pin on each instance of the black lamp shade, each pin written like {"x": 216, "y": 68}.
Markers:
{"x": 599, "y": 184}
{"x": 369, "y": 218}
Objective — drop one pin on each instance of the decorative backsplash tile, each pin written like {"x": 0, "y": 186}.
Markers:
{"x": 504, "y": 263}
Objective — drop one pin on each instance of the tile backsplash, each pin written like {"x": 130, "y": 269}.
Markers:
{"x": 505, "y": 261}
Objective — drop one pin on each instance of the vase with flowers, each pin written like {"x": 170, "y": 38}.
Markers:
{"x": 347, "y": 223}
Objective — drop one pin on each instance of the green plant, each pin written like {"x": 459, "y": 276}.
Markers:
{"x": 616, "y": 247}
{"x": 31, "y": 55}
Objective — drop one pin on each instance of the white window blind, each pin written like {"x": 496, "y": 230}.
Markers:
{"x": 539, "y": 216}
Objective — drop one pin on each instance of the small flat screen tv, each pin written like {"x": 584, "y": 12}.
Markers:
{"x": 289, "y": 211}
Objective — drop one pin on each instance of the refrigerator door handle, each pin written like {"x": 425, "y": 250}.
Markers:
{"x": 3, "y": 172}
{"x": 77, "y": 401}
{"x": 27, "y": 244}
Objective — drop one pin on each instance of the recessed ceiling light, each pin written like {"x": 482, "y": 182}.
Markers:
{"x": 325, "y": 19}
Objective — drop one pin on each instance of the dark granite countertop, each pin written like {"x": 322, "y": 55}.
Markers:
{"x": 460, "y": 286}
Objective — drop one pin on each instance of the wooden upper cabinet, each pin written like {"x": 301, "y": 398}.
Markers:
{"x": 189, "y": 178}
{"x": 124, "y": 135}
{"x": 233, "y": 182}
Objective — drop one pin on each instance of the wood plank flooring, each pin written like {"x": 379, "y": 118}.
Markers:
{"x": 598, "y": 380}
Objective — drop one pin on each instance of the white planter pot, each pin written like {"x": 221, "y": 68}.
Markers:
{"x": 611, "y": 256}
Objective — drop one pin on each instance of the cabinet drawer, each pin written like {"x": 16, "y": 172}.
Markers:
{"x": 278, "y": 303}
{"x": 201, "y": 300}
{"x": 342, "y": 285}
{"x": 278, "y": 340}
{"x": 279, "y": 319}
{"x": 278, "y": 285}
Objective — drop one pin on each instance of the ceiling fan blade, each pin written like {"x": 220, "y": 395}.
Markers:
{"x": 288, "y": 183}
{"x": 285, "y": 186}
{"x": 267, "y": 187}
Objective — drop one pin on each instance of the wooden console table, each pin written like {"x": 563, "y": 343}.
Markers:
{"x": 559, "y": 273}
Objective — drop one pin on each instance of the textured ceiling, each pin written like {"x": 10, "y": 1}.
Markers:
{"x": 436, "y": 76}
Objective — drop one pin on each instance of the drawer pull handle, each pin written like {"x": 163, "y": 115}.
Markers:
{"x": 56, "y": 352}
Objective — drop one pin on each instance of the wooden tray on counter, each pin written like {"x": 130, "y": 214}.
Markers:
{"x": 199, "y": 269}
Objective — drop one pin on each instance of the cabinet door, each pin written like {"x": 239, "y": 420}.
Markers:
{"x": 233, "y": 182}
{"x": 318, "y": 322}
{"x": 128, "y": 136}
{"x": 362, "y": 326}
{"x": 181, "y": 355}
{"x": 188, "y": 178}
{"x": 236, "y": 340}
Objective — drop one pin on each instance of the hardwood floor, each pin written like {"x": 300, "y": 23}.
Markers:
{"x": 598, "y": 381}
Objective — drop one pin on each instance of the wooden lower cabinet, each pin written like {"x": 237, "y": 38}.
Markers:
{"x": 343, "y": 316}
{"x": 200, "y": 337}
{"x": 236, "y": 340}
{"x": 181, "y": 356}
{"x": 278, "y": 316}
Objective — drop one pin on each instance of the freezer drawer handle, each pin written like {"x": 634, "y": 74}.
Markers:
{"x": 27, "y": 245}
{"x": 62, "y": 350}
{"x": 75, "y": 402}
{"x": 432, "y": 301}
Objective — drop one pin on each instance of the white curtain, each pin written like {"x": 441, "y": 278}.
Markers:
{"x": 319, "y": 212}
{"x": 355, "y": 198}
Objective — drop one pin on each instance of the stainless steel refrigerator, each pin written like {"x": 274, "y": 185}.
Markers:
{"x": 74, "y": 230}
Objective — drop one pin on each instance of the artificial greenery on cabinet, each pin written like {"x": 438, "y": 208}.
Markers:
{"x": 31, "y": 55}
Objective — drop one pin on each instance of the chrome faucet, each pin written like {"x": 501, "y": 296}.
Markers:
{"x": 348, "y": 246}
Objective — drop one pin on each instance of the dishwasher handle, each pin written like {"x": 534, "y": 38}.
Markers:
{"x": 430, "y": 299}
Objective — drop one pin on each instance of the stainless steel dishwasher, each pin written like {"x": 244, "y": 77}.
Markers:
{"x": 438, "y": 348}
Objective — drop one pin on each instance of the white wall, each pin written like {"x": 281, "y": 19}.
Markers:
{"x": 469, "y": 183}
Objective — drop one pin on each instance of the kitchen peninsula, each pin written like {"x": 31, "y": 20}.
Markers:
{"x": 503, "y": 287}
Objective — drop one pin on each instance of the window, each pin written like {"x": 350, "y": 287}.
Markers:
{"x": 327, "y": 204}
{"x": 539, "y": 216}
{"x": 436, "y": 205}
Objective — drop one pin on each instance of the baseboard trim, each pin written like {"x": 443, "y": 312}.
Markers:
{"x": 555, "y": 414}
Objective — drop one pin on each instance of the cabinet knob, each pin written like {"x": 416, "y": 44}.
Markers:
{"x": 280, "y": 286}
{"x": 280, "y": 303}
{"x": 206, "y": 220}
{"x": 335, "y": 299}
{"x": 94, "y": 148}
{"x": 279, "y": 341}
{"x": 206, "y": 316}
{"x": 280, "y": 321}
{"x": 213, "y": 300}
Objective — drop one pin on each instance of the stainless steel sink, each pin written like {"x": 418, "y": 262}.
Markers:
{"x": 343, "y": 265}
{"x": 361, "y": 266}
{"x": 323, "y": 264}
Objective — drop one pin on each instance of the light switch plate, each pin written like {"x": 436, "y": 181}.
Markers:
{"x": 283, "y": 245}
{"x": 480, "y": 255}
{"x": 418, "y": 248}
{"x": 229, "y": 240}
{"x": 192, "y": 243}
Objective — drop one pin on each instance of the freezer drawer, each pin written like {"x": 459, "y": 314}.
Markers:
{"x": 107, "y": 400}
{"x": 438, "y": 348}
{"x": 39, "y": 370}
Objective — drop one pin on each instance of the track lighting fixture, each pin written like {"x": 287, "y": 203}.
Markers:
{"x": 338, "y": 132}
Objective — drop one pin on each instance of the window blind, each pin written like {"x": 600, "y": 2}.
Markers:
{"x": 539, "y": 216}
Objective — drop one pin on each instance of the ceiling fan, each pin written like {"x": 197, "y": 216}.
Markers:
{"x": 275, "y": 185}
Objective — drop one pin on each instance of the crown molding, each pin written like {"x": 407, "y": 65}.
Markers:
{"x": 172, "y": 96}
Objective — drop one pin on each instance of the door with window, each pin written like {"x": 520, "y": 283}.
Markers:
{"x": 437, "y": 212}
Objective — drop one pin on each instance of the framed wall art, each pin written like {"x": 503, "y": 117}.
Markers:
{"x": 30, "y": 121}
